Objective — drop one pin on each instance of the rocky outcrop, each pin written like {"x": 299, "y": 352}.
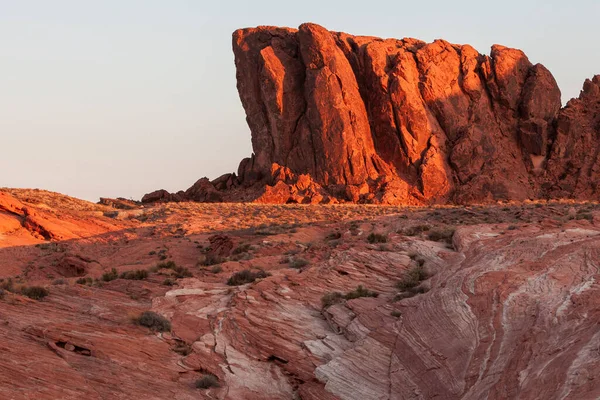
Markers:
{"x": 416, "y": 122}
{"x": 574, "y": 167}
{"x": 452, "y": 124}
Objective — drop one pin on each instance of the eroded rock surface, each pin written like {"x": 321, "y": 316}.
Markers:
{"x": 508, "y": 306}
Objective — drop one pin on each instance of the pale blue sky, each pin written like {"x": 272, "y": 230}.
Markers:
{"x": 121, "y": 97}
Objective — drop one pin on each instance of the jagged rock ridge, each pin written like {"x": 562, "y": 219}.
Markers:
{"x": 365, "y": 119}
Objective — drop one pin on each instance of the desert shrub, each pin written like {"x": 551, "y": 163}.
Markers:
{"x": 586, "y": 216}
{"x": 59, "y": 281}
{"x": 376, "y": 238}
{"x": 84, "y": 281}
{"x": 412, "y": 278}
{"x": 110, "y": 276}
{"x": 168, "y": 282}
{"x": 512, "y": 227}
{"x": 34, "y": 292}
{"x": 216, "y": 269}
{"x": 441, "y": 235}
{"x": 331, "y": 298}
{"x": 298, "y": 263}
{"x": 7, "y": 284}
{"x": 333, "y": 236}
{"x": 396, "y": 314}
{"x": 207, "y": 381}
{"x": 415, "y": 230}
{"x": 212, "y": 259}
{"x": 154, "y": 321}
{"x": 136, "y": 275}
{"x": 246, "y": 276}
{"x": 182, "y": 348}
{"x": 411, "y": 292}
{"x": 178, "y": 271}
{"x": 360, "y": 291}
{"x": 242, "y": 248}
{"x": 164, "y": 265}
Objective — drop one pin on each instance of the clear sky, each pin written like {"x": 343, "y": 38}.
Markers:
{"x": 121, "y": 97}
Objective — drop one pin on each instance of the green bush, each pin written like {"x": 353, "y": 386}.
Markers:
{"x": 179, "y": 271}
{"x": 412, "y": 278}
{"x": 207, "y": 381}
{"x": 331, "y": 298}
{"x": 136, "y": 275}
{"x": 34, "y": 292}
{"x": 85, "y": 281}
{"x": 212, "y": 259}
{"x": 376, "y": 238}
{"x": 110, "y": 276}
{"x": 242, "y": 248}
{"x": 298, "y": 263}
{"x": 246, "y": 276}
{"x": 154, "y": 321}
{"x": 168, "y": 282}
{"x": 360, "y": 291}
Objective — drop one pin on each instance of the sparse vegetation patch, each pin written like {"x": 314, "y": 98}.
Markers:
{"x": 246, "y": 276}
{"x": 376, "y": 238}
{"x": 154, "y": 321}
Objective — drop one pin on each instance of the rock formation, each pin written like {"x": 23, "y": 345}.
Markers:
{"x": 414, "y": 123}
{"x": 508, "y": 310}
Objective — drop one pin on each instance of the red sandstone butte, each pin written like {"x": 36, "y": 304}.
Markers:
{"x": 416, "y": 122}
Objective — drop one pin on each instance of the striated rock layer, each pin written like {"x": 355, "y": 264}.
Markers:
{"x": 508, "y": 306}
{"x": 416, "y": 122}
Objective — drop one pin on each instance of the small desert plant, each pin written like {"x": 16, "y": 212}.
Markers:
{"x": 84, "y": 281}
{"x": 331, "y": 298}
{"x": 110, "y": 276}
{"x": 154, "y": 321}
{"x": 333, "y": 236}
{"x": 441, "y": 235}
{"x": 415, "y": 230}
{"x": 376, "y": 238}
{"x": 242, "y": 248}
{"x": 411, "y": 292}
{"x": 7, "y": 285}
{"x": 59, "y": 281}
{"x": 246, "y": 276}
{"x": 212, "y": 259}
{"x": 207, "y": 381}
{"x": 34, "y": 292}
{"x": 168, "y": 282}
{"x": 182, "y": 348}
{"x": 396, "y": 314}
{"x": 216, "y": 269}
{"x": 412, "y": 278}
{"x": 136, "y": 275}
{"x": 586, "y": 216}
{"x": 298, "y": 263}
{"x": 360, "y": 291}
{"x": 178, "y": 271}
